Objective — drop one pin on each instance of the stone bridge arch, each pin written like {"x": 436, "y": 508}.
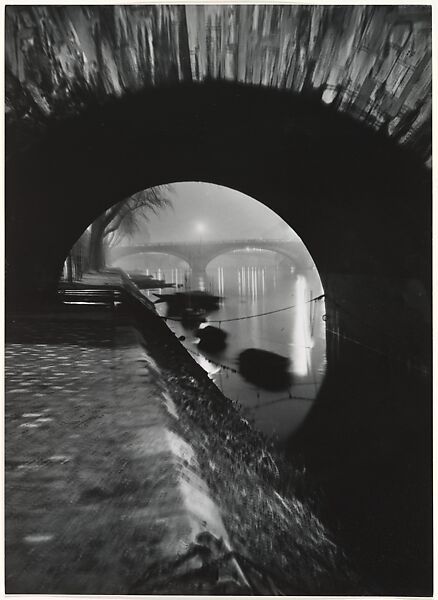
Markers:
{"x": 169, "y": 249}
{"x": 199, "y": 257}
{"x": 371, "y": 62}
{"x": 136, "y": 251}
{"x": 351, "y": 195}
{"x": 316, "y": 89}
{"x": 296, "y": 252}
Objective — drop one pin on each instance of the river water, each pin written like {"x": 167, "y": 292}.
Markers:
{"x": 297, "y": 333}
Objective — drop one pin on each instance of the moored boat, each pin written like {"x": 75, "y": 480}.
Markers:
{"x": 265, "y": 369}
{"x": 192, "y": 317}
{"x": 211, "y": 338}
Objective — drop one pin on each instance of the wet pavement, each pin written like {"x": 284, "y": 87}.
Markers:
{"x": 93, "y": 459}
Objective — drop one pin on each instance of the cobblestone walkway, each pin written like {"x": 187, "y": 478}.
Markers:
{"x": 91, "y": 494}
{"x": 63, "y": 449}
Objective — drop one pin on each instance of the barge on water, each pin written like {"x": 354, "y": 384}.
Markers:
{"x": 211, "y": 338}
{"x": 265, "y": 369}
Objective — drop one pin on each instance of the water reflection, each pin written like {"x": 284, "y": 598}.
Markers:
{"x": 298, "y": 333}
{"x": 300, "y": 346}
{"x": 250, "y": 282}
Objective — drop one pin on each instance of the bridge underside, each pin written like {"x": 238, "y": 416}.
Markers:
{"x": 104, "y": 101}
{"x": 373, "y": 63}
{"x": 359, "y": 203}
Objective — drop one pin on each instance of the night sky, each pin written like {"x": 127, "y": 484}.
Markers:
{"x": 211, "y": 212}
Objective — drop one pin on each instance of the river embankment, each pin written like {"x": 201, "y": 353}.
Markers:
{"x": 268, "y": 502}
{"x": 111, "y": 426}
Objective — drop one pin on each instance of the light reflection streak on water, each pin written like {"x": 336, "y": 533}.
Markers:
{"x": 220, "y": 277}
{"x": 301, "y": 334}
{"x": 251, "y": 283}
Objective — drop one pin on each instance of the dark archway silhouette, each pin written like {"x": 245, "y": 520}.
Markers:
{"x": 361, "y": 205}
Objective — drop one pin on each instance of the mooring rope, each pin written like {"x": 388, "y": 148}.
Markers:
{"x": 403, "y": 359}
{"x": 270, "y": 312}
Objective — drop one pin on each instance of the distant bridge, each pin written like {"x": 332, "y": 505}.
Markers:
{"x": 199, "y": 254}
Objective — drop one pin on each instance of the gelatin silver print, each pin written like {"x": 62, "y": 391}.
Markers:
{"x": 218, "y": 330}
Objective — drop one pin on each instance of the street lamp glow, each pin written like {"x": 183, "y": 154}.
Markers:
{"x": 200, "y": 227}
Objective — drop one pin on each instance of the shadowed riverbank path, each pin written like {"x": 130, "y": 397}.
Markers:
{"x": 101, "y": 487}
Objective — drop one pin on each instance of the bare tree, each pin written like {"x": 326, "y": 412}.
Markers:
{"x": 124, "y": 219}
